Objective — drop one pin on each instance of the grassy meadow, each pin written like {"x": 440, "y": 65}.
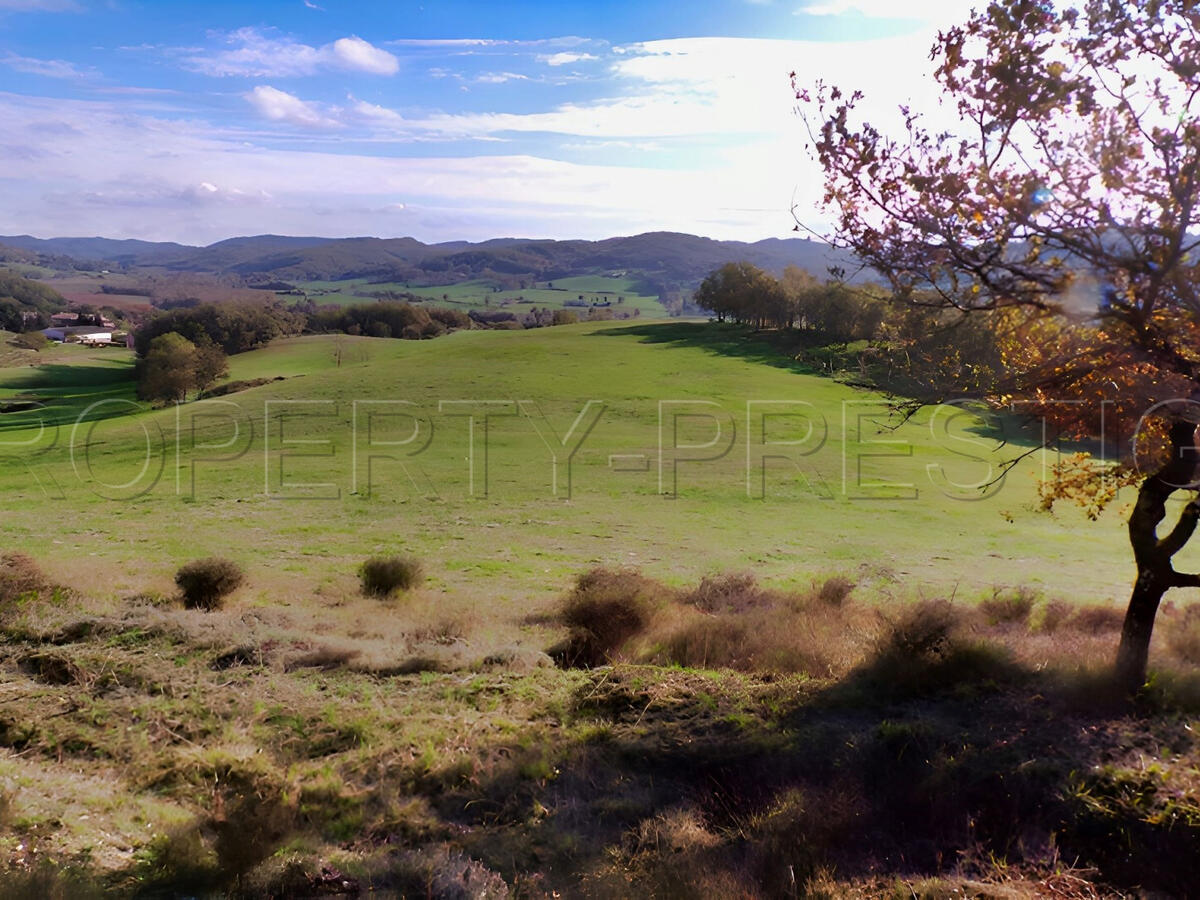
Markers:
{"x": 500, "y": 533}
{"x": 807, "y": 610}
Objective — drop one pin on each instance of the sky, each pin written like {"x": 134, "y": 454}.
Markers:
{"x": 441, "y": 119}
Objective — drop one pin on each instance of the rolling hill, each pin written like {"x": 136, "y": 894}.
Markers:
{"x": 661, "y": 260}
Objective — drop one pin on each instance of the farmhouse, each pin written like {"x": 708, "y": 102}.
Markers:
{"x": 84, "y": 334}
{"x": 68, "y": 319}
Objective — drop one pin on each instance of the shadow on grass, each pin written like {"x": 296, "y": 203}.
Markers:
{"x": 770, "y": 348}
{"x": 54, "y": 394}
{"x": 691, "y": 781}
{"x": 684, "y": 783}
{"x": 61, "y": 377}
{"x": 780, "y": 349}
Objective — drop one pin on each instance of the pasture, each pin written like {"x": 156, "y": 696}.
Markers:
{"x": 814, "y": 600}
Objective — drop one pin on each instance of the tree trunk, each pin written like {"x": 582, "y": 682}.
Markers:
{"x": 1134, "y": 650}
{"x": 1153, "y": 554}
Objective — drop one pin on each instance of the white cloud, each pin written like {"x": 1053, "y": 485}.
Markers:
{"x": 359, "y": 55}
{"x": 144, "y": 176}
{"x": 720, "y": 112}
{"x": 280, "y": 106}
{"x": 254, "y": 54}
{"x": 565, "y": 58}
{"x": 720, "y": 87}
{"x": 444, "y": 42}
{"x": 50, "y": 68}
{"x": 944, "y": 11}
{"x": 500, "y": 77}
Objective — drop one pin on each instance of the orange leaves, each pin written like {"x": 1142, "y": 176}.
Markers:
{"x": 1086, "y": 482}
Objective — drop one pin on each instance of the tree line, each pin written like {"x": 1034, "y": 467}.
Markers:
{"x": 908, "y": 348}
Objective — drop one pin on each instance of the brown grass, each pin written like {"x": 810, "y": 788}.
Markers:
{"x": 605, "y": 610}
{"x": 19, "y": 577}
{"x": 1183, "y": 635}
{"x": 1009, "y": 607}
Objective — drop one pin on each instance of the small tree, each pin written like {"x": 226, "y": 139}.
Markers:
{"x": 211, "y": 364}
{"x": 31, "y": 340}
{"x": 168, "y": 370}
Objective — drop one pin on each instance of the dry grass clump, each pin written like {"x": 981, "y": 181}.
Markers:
{"x": 1011, "y": 607}
{"x": 835, "y": 591}
{"x": 606, "y": 609}
{"x": 19, "y": 577}
{"x": 1183, "y": 636}
{"x": 733, "y": 592}
{"x": 383, "y": 576}
{"x": 205, "y": 583}
{"x": 1055, "y": 614}
{"x": 727, "y": 621}
{"x": 926, "y": 647}
{"x": 1098, "y": 618}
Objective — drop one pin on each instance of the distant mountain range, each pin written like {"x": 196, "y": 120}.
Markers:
{"x": 664, "y": 260}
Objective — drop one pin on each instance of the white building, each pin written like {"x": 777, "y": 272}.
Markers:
{"x": 84, "y": 334}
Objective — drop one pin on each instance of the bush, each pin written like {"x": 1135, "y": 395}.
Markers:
{"x": 31, "y": 340}
{"x": 206, "y": 583}
{"x": 922, "y": 631}
{"x": 1098, "y": 618}
{"x": 605, "y": 610}
{"x": 382, "y": 576}
{"x": 1008, "y": 608}
{"x": 1055, "y": 615}
{"x": 925, "y": 650}
{"x": 19, "y": 577}
{"x": 736, "y": 592}
{"x": 835, "y": 591}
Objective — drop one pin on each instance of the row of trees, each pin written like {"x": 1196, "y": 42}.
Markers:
{"x": 914, "y": 349}
{"x": 741, "y": 292}
{"x": 387, "y": 319}
{"x": 234, "y": 327}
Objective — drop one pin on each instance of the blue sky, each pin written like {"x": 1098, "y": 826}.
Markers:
{"x": 197, "y": 121}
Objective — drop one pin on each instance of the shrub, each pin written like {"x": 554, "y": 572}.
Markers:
{"x": 1055, "y": 615}
{"x": 921, "y": 631}
{"x": 19, "y": 577}
{"x": 735, "y": 592}
{"x": 762, "y": 640}
{"x": 31, "y": 340}
{"x": 835, "y": 591}
{"x": 206, "y": 583}
{"x": 1008, "y": 608}
{"x": 1098, "y": 618}
{"x": 382, "y": 576}
{"x": 605, "y": 610}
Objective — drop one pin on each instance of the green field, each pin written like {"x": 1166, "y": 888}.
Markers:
{"x": 519, "y": 540}
{"x": 485, "y": 294}
{"x": 306, "y": 734}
